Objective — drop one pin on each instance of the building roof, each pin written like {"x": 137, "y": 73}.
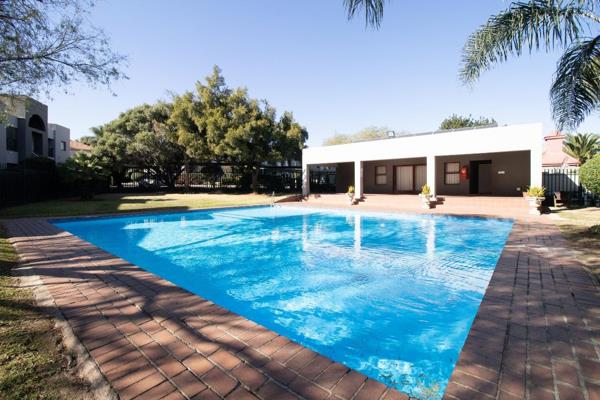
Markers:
{"x": 78, "y": 146}
{"x": 553, "y": 155}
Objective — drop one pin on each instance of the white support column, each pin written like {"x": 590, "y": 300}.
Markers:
{"x": 305, "y": 179}
{"x": 535, "y": 168}
{"x": 431, "y": 173}
{"x": 358, "y": 180}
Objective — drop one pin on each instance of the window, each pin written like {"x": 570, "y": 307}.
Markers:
{"x": 63, "y": 146}
{"x": 51, "y": 148}
{"x": 12, "y": 143}
{"x": 380, "y": 175}
{"x": 452, "y": 173}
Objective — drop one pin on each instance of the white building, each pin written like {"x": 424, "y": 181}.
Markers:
{"x": 26, "y": 133}
{"x": 59, "y": 138}
{"x": 500, "y": 161}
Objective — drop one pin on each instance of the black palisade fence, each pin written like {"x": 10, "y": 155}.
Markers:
{"x": 566, "y": 181}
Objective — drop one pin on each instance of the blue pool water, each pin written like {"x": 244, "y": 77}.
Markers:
{"x": 390, "y": 295}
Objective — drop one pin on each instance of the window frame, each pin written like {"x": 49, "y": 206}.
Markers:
{"x": 451, "y": 173}
{"x": 378, "y": 174}
{"x": 63, "y": 145}
{"x": 12, "y": 139}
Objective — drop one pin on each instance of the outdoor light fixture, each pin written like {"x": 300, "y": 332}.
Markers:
{"x": 391, "y": 134}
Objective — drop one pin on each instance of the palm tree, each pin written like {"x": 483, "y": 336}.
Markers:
{"x": 545, "y": 25}
{"x": 581, "y": 146}
{"x": 373, "y": 10}
{"x": 526, "y": 26}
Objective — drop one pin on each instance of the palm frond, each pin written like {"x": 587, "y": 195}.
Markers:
{"x": 575, "y": 92}
{"x": 582, "y": 146}
{"x": 524, "y": 26}
{"x": 372, "y": 9}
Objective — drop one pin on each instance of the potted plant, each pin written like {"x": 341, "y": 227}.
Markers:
{"x": 535, "y": 196}
{"x": 350, "y": 194}
{"x": 427, "y": 197}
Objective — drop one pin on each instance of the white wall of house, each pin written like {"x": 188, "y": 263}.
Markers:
{"x": 62, "y": 139}
{"x": 525, "y": 137}
{"x": 7, "y": 156}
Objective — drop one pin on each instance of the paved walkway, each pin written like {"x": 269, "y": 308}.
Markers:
{"x": 509, "y": 207}
{"x": 536, "y": 335}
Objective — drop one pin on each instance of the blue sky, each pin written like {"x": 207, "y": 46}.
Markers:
{"x": 305, "y": 57}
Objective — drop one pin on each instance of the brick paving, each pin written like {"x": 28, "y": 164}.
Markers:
{"x": 154, "y": 340}
{"x": 536, "y": 334}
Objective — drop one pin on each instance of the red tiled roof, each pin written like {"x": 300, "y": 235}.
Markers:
{"x": 78, "y": 146}
{"x": 553, "y": 155}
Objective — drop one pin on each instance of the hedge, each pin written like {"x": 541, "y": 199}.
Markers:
{"x": 590, "y": 174}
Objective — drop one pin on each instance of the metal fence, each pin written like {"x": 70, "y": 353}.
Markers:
{"x": 210, "y": 177}
{"x": 566, "y": 181}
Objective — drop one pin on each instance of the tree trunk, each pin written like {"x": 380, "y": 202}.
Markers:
{"x": 255, "y": 180}
{"x": 187, "y": 176}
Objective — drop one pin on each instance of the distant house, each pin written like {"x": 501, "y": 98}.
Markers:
{"x": 25, "y": 132}
{"x": 78, "y": 147}
{"x": 553, "y": 155}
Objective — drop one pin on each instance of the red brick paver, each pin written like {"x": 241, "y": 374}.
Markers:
{"x": 152, "y": 339}
{"x": 535, "y": 335}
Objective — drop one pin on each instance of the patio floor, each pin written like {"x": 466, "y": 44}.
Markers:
{"x": 536, "y": 334}
{"x": 509, "y": 207}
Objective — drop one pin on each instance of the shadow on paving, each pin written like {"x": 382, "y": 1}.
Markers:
{"x": 137, "y": 325}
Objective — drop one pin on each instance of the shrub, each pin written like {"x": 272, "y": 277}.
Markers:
{"x": 39, "y": 163}
{"x": 590, "y": 174}
{"x": 84, "y": 172}
{"x": 536, "y": 191}
{"x": 594, "y": 230}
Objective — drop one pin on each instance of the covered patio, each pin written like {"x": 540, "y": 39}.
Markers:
{"x": 496, "y": 161}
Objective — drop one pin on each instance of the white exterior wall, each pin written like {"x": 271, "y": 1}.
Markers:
{"x": 526, "y": 137}
{"x": 60, "y": 134}
{"x": 7, "y": 156}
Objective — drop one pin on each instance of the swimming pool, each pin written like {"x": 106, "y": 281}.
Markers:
{"x": 390, "y": 295}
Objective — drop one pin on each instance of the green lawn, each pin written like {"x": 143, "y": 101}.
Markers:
{"x": 116, "y": 203}
{"x": 575, "y": 225}
{"x": 32, "y": 365}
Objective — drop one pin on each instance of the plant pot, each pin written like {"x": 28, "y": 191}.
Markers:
{"x": 535, "y": 205}
{"x": 428, "y": 201}
{"x": 351, "y": 198}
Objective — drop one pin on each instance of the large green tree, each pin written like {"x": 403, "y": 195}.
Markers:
{"x": 582, "y": 146}
{"x": 291, "y": 137}
{"x": 49, "y": 43}
{"x": 217, "y": 123}
{"x": 202, "y": 116}
{"x": 141, "y": 136}
{"x": 159, "y": 151}
{"x": 111, "y": 150}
